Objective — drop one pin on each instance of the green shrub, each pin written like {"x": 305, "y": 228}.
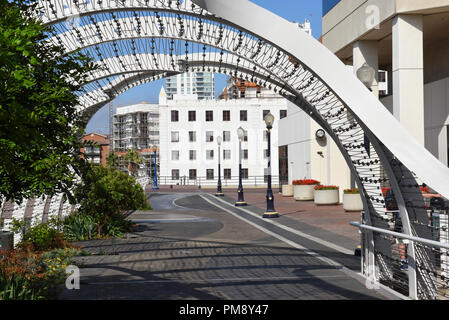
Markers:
{"x": 79, "y": 227}
{"x": 104, "y": 194}
{"x": 117, "y": 225}
{"x": 42, "y": 237}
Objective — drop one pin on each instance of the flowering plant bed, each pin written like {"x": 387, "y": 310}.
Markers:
{"x": 322, "y": 187}
{"x": 351, "y": 191}
{"x": 305, "y": 182}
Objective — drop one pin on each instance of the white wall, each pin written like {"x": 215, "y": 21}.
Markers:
{"x": 297, "y": 131}
{"x": 255, "y": 126}
{"x": 294, "y": 131}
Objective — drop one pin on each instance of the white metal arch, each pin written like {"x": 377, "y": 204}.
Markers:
{"x": 299, "y": 68}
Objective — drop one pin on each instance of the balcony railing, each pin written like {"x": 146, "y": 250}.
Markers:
{"x": 250, "y": 181}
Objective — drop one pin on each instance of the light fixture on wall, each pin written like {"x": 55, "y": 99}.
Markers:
{"x": 366, "y": 75}
{"x": 320, "y": 134}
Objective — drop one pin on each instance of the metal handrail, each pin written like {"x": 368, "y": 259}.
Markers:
{"x": 184, "y": 180}
{"x": 401, "y": 235}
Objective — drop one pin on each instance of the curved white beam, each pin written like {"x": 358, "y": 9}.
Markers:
{"x": 146, "y": 73}
{"x": 344, "y": 84}
{"x": 165, "y": 62}
{"x": 107, "y": 93}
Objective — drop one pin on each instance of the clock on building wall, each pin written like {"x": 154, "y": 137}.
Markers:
{"x": 320, "y": 134}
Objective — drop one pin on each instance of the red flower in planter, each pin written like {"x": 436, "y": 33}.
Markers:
{"x": 322, "y": 187}
{"x": 305, "y": 182}
{"x": 351, "y": 191}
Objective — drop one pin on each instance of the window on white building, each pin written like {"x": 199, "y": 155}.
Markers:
{"x": 265, "y": 112}
{"x": 282, "y": 114}
{"x": 209, "y": 154}
{"x": 174, "y": 115}
{"x": 226, "y": 136}
{"x": 209, "y": 136}
{"x": 226, "y": 115}
{"x": 227, "y": 174}
{"x": 175, "y": 155}
{"x": 192, "y": 174}
{"x": 209, "y": 115}
{"x": 243, "y": 115}
{"x": 226, "y": 154}
{"x": 210, "y": 174}
{"x": 192, "y": 154}
{"x": 175, "y": 174}
{"x": 244, "y": 173}
{"x": 192, "y": 136}
{"x": 175, "y": 136}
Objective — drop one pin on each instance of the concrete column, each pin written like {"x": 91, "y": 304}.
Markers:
{"x": 408, "y": 73}
{"x": 367, "y": 51}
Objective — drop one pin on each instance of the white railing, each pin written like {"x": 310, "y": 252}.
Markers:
{"x": 400, "y": 271}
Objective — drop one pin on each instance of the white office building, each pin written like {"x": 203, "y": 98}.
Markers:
{"x": 200, "y": 84}
{"x": 188, "y": 139}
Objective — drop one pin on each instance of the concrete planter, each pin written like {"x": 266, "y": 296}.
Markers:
{"x": 352, "y": 202}
{"x": 303, "y": 192}
{"x": 326, "y": 196}
{"x": 287, "y": 190}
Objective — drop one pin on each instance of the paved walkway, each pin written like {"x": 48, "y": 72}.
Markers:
{"x": 195, "y": 246}
{"x": 331, "y": 219}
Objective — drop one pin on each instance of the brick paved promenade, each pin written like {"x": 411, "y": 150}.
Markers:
{"x": 196, "y": 246}
{"x": 330, "y": 218}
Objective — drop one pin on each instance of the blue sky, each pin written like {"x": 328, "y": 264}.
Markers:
{"x": 292, "y": 10}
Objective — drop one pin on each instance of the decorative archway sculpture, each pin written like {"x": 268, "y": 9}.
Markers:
{"x": 137, "y": 41}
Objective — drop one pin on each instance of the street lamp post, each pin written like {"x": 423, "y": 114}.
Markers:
{"x": 270, "y": 212}
{"x": 219, "y": 191}
{"x": 155, "y": 187}
{"x": 240, "y": 201}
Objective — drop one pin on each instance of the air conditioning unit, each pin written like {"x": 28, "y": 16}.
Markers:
{"x": 383, "y": 83}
